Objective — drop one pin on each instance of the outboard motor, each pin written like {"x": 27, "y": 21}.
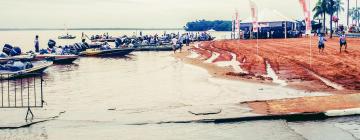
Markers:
{"x": 7, "y": 49}
{"x": 117, "y": 42}
{"x": 15, "y": 51}
{"x": 51, "y": 43}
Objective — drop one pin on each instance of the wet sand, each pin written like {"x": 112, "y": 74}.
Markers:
{"x": 331, "y": 72}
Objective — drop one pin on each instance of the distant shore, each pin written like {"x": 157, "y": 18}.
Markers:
{"x": 32, "y": 29}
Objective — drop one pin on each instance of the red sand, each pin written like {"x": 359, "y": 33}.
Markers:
{"x": 290, "y": 58}
{"x": 305, "y": 104}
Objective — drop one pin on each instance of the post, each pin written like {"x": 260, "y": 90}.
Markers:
{"x": 257, "y": 42}
{"x": 357, "y": 21}
{"x": 348, "y": 9}
{"x": 310, "y": 37}
{"x": 285, "y": 29}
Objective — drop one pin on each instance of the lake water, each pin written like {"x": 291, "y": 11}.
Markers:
{"x": 130, "y": 98}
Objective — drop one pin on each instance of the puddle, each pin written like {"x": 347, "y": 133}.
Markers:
{"x": 326, "y": 81}
{"x": 271, "y": 73}
{"x": 193, "y": 55}
{"x": 233, "y": 63}
{"x": 212, "y": 58}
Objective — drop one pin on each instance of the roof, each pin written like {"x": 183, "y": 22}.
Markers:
{"x": 267, "y": 15}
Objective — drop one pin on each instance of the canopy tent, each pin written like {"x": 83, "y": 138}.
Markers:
{"x": 267, "y": 15}
{"x": 272, "y": 25}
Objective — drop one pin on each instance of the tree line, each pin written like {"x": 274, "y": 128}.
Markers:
{"x": 205, "y": 25}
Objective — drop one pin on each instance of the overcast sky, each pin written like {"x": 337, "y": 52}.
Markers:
{"x": 130, "y": 13}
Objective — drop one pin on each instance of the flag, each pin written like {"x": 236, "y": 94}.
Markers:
{"x": 254, "y": 15}
{"x": 237, "y": 23}
{"x": 306, "y": 15}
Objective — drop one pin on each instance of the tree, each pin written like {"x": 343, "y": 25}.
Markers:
{"x": 347, "y": 10}
{"x": 332, "y": 7}
{"x": 355, "y": 14}
{"x": 320, "y": 9}
{"x": 204, "y": 25}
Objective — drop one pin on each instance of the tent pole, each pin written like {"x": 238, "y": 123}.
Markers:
{"x": 285, "y": 30}
{"x": 257, "y": 42}
{"x": 310, "y": 37}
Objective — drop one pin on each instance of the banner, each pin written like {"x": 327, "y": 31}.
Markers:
{"x": 306, "y": 15}
{"x": 254, "y": 15}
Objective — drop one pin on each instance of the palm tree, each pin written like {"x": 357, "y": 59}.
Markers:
{"x": 355, "y": 14}
{"x": 339, "y": 6}
{"x": 320, "y": 9}
{"x": 347, "y": 15}
{"x": 332, "y": 7}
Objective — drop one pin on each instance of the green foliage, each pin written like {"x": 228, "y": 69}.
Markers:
{"x": 204, "y": 25}
{"x": 355, "y": 13}
{"x": 329, "y": 7}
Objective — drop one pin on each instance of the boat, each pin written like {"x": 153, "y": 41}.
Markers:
{"x": 117, "y": 52}
{"x": 67, "y": 37}
{"x": 23, "y": 58}
{"x": 57, "y": 59}
{"x": 168, "y": 47}
{"x": 37, "y": 69}
{"x": 104, "y": 40}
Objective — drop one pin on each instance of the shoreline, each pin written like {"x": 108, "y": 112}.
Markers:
{"x": 212, "y": 69}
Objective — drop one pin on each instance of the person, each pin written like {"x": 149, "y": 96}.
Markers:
{"x": 37, "y": 46}
{"x": 174, "y": 43}
{"x": 187, "y": 39}
{"x": 343, "y": 41}
{"x": 59, "y": 50}
{"x": 321, "y": 45}
{"x": 83, "y": 38}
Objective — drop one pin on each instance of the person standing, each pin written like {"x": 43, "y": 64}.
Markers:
{"x": 187, "y": 39}
{"x": 321, "y": 45}
{"x": 37, "y": 46}
{"x": 174, "y": 43}
{"x": 343, "y": 41}
{"x": 83, "y": 38}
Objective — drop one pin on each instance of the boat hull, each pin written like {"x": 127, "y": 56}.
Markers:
{"x": 156, "y": 48}
{"x": 57, "y": 59}
{"x": 34, "y": 71}
{"x": 16, "y": 58}
{"x": 108, "y": 53}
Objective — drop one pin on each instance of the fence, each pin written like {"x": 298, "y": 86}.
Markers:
{"x": 21, "y": 91}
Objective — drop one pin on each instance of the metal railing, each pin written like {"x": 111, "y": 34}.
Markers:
{"x": 19, "y": 90}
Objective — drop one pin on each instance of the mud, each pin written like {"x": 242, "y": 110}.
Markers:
{"x": 290, "y": 60}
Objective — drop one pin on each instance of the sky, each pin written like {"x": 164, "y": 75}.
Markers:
{"x": 132, "y": 13}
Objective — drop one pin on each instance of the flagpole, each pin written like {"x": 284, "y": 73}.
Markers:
{"x": 257, "y": 42}
{"x": 310, "y": 34}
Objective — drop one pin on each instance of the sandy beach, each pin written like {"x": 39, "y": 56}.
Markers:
{"x": 332, "y": 72}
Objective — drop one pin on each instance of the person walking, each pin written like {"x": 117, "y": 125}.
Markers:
{"x": 321, "y": 45}
{"x": 36, "y": 42}
{"x": 343, "y": 41}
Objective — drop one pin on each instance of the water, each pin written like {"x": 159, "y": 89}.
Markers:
{"x": 128, "y": 98}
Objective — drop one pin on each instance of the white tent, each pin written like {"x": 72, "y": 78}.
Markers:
{"x": 267, "y": 15}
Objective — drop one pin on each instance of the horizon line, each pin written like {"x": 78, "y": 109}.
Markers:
{"x": 29, "y": 29}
